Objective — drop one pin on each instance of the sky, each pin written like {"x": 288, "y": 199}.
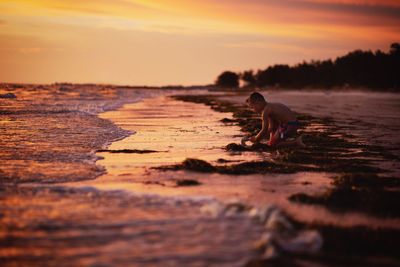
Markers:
{"x": 181, "y": 42}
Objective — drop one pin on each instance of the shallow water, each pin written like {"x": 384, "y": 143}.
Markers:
{"x": 49, "y": 133}
{"x": 60, "y": 226}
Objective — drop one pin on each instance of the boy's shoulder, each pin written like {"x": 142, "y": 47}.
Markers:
{"x": 267, "y": 110}
{"x": 277, "y": 105}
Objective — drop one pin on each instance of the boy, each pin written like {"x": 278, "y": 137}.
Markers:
{"x": 277, "y": 120}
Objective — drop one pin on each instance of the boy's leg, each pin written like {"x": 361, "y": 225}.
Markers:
{"x": 284, "y": 133}
{"x": 274, "y": 138}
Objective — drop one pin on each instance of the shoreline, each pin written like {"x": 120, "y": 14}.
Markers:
{"x": 209, "y": 87}
{"x": 62, "y": 130}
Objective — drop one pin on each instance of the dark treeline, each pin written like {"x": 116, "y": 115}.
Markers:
{"x": 376, "y": 70}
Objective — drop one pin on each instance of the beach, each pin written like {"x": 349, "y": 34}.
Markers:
{"x": 96, "y": 175}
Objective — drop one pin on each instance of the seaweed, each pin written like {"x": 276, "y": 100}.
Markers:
{"x": 236, "y": 147}
{"x": 383, "y": 203}
{"x": 255, "y": 147}
{"x": 250, "y": 167}
{"x": 226, "y": 120}
{"x": 358, "y": 191}
{"x": 364, "y": 180}
{"x": 128, "y": 151}
{"x": 187, "y": 182}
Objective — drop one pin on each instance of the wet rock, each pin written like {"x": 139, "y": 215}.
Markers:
{"x": 154, "y": 183}
{"x": 128, "y": 151}
{"x": 197, "y": 165}
{"x": 8, "y": 95}
{"x": 17, "y": 86}
{"x": 250, "y": 167}
{"x": 226, "y": 120}
{"x": 221, "y": 160}
{"x": 187, "y": 182}
{"x": 236, "y": 147}
{"x": 255, "y": 147}
{"x": 65, "y": 89}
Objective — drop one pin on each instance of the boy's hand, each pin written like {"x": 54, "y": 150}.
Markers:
{"x": 252, "y": 139}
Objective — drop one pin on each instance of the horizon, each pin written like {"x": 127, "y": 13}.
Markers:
{"x": 312, "y": 61}
{"x": 181, "y": 43}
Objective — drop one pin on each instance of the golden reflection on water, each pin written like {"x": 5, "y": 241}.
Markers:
{"x": 179, "y": 130}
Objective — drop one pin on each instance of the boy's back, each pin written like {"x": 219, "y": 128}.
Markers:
{"x": 279, "y": 113}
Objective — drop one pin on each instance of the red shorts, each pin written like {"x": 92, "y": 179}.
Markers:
{"x": 284, "y": 131}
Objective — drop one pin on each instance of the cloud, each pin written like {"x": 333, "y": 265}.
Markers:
{"x": 367, "y": 9}
{"x": 321, "y": 12}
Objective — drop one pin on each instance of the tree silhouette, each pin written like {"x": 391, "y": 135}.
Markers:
{"x": 376, "y": 70}
{"x": 395, "y": 49}
{"x": 248, "y": 77}
{"x": 228, "y": 79}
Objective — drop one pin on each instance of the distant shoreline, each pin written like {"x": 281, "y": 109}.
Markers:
{"x": 10, "y": 86}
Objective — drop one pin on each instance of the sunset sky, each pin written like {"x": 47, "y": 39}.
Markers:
{"x": 140, "y": 42}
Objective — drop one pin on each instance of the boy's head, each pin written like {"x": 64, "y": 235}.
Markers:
{"x": 256, "y": 101}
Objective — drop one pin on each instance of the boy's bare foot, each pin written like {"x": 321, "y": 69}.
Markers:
{"x": 299, "y": 142}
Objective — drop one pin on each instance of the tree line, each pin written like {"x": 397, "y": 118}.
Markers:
{"x": 376, "y": 70}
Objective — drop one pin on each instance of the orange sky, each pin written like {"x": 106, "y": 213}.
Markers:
{"x": 185, "y": 42}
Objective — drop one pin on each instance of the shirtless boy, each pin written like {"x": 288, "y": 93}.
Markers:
{"x": 278, "y": 122}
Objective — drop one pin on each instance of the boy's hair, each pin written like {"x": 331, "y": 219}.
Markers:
{"x": 255, "y": 97}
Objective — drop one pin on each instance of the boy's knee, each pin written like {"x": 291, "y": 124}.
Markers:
{"x": 273, "y": 141}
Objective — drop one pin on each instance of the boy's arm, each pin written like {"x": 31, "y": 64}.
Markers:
{"x": 264, "y": 129}
{"x": 271, "y": 129}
